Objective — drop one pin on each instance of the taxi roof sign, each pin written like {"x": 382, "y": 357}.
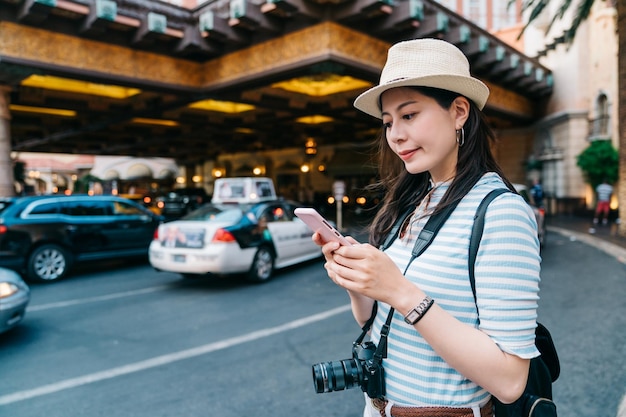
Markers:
{"x": 243, "y": 190}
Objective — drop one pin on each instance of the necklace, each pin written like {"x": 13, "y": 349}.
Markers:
{"x": 419, "y": 213}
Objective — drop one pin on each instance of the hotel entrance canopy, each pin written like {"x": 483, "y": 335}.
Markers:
{"x": 147, "y": 78}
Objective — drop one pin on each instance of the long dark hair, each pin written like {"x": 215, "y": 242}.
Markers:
{"x": 403, "y": 190}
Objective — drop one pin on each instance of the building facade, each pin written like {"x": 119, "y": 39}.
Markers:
{"x": 583, "y": 107}
{"x": 252, "y": 56}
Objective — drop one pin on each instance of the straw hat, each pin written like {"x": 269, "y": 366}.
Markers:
{"x": 426, "y": 63}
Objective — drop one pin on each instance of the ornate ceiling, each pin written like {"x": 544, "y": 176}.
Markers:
{"x": 227, "y": 76}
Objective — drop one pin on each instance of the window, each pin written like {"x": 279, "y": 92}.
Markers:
{"x": 476, "y": 11}
{"x": 86, "y": 208}
{"x": 122, "y": 208}
{"x": 600, "y": 124}
{"x": 45, "y": 208}
{"x": 276, "y": 213}
{"x": 504, "y": 15}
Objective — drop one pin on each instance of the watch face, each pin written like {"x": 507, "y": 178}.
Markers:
{"x": 411, "y": 317}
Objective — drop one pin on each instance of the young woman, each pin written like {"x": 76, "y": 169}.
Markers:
{"x": 445, "y": 350}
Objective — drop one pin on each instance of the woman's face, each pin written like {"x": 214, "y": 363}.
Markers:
{"x": 421, "y": 132}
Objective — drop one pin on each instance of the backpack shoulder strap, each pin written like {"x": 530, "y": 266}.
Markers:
{"x": 477, "y": 232}
{"x": 543, "y": 339}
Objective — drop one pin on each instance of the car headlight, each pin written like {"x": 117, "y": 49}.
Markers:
{"x": 7, "y": 289}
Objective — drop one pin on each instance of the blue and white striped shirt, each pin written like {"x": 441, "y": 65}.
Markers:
{"x": 507, "y": 285}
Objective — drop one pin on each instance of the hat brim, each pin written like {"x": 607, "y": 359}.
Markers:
{"x": 472, "y": 88}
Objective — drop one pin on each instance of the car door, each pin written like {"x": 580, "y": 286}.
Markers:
{"x": 290, "y": 237}
{"x": 304, "y": 244}
{"x": 132, "y": 226}
{"x": 284, "y": 232}
{"x": 85, "y": 225}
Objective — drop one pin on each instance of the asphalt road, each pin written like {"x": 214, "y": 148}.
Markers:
{"x": 124, "y": 340}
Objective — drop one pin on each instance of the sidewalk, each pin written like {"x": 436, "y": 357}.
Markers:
{"x": 604, "y": 238}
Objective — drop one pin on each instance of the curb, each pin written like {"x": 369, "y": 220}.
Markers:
{"x": 621, "y": 411}
{"x": 612, "y": 249}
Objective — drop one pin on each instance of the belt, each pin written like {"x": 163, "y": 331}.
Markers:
{"x": 401, "y": 411}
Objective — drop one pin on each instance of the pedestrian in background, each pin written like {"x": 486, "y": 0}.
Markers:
{"x": 604, "y": 192}
{"x": 447, "y": 353}
{"x": 536, "y": 192}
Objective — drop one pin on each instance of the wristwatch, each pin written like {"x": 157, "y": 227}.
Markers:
{"x": 418, "y": 312}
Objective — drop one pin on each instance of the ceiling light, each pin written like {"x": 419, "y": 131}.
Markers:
{"x": 322, "y": 85}
{"x": 49, "y": 82}
{"x": 158, "y": 122}
{"x": 42, "y": 110}
{"x": 221, "y": 106}
{"x": 314, "y": 119}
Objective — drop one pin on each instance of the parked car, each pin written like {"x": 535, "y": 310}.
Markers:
{"x": 246, "y": 229}
{"x": 540, "y": 213}
{"x": 14, "y": 297}
{"x": 180, "y": 201}
{"x": 42, "y": 237}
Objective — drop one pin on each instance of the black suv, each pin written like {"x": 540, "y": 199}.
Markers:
{"x": 181, "y": 201}
{"x": 43, "y": 236}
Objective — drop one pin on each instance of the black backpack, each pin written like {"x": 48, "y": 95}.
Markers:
{"x": 536, "y": 401}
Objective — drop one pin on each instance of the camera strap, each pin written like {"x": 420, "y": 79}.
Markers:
{"x": 424, "y": 239}
{"x": 368, "y": 324}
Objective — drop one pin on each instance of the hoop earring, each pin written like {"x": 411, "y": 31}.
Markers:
{"x": 460, "y": 137}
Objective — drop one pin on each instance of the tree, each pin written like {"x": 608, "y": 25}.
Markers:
{"x": 535, "y": 7}
{"x": 599, "y": 162}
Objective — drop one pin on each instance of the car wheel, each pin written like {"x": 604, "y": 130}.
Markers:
{"x": 262, "y": 267}
{"x": 48, "y": 263}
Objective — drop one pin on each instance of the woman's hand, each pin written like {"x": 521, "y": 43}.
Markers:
{"x": 366, "y": 270}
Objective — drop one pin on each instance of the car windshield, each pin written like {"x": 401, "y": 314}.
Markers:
{"x": 217, "y": 213}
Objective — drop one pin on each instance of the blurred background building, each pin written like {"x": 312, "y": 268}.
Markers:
{"x": 550, "y": 99}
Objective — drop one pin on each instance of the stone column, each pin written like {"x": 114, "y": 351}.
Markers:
{"x": 190, "y": 171}
{"x": 7, "y": 187}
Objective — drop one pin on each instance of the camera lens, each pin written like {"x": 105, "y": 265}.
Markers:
{"x": 336, "y": 375}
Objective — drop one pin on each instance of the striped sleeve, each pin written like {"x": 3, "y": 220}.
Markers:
{"x": 507, "y": 272}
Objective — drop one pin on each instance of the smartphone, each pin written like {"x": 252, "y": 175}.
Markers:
{"x": 317, "y": 223}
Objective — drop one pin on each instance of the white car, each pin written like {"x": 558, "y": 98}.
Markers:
{"x": 254, "y": 238}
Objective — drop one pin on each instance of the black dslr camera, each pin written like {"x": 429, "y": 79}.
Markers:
{"x": 363, "y": 370}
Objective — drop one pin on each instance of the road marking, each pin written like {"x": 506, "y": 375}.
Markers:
{"x": 621, "y": 410}
{"x": 113, "y": 296}
{"x": 167, "y": 359}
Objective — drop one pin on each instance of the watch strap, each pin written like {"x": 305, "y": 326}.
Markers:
{"x": 418, "y": 312}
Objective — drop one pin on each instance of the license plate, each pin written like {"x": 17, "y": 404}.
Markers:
{"x": 179, "y": 258}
